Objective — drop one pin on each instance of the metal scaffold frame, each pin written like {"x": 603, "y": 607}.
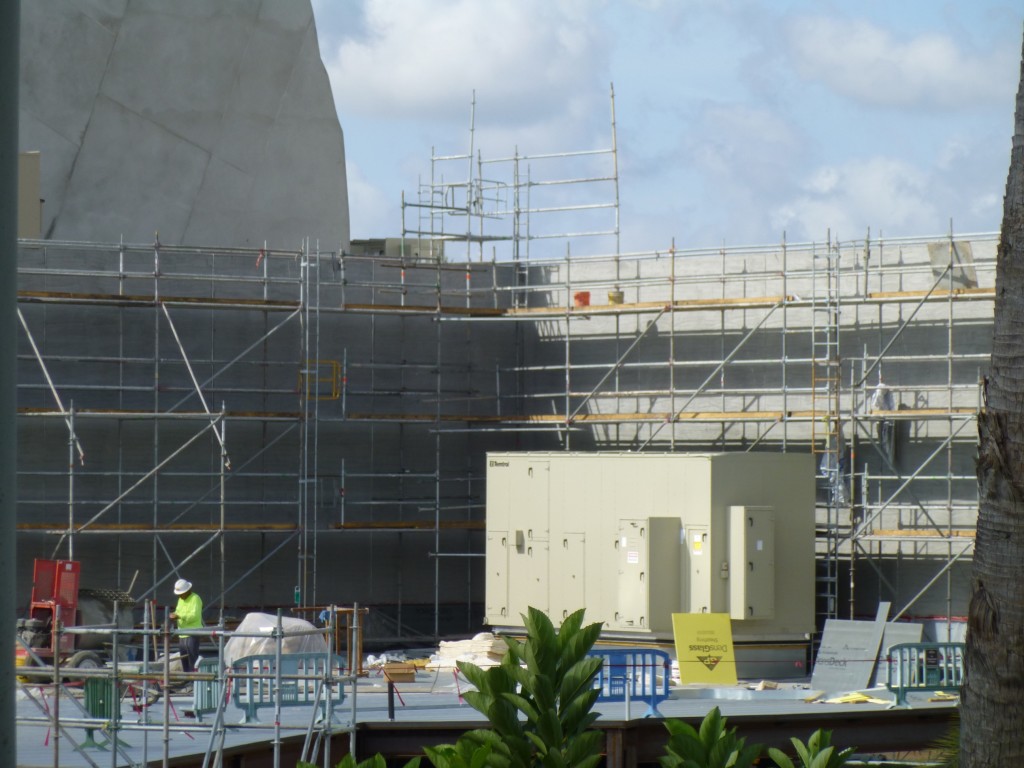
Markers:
{"x": 825, "y": 401}
{"x": 723, "y": 346}
{"x": 124, "y": 284}
{"x": 410, "y": 371}
{"x": 373, "y": 386}
{"x": 133, "y": 699}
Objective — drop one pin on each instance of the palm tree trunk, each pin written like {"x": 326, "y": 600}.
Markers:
{"x": 992, "y": 701}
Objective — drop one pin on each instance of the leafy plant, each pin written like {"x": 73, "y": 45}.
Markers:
{"x": 947, "y": 746}
{"x": 817, "y": 753}
{"x": 713, "y": 746}
{"x": 462, "y": 754}
{"x": 538, "y": 700}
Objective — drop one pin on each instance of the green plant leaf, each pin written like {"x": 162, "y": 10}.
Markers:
{"x": 579, "y": 678}
{"x": 473, "y": 673}
{"x": 549, "y": 728}
{"x": 781, "y": 758}
{"x": 749, "y": 755}
{"x": 679, "y": 727}
{"x": 570, "y": 626}
{"x": 546, "y": 679}
{"x": 711, "y": 727}
{"x": 842, "y": 758}
{"x": 819, "y": 740}
{"x": 805, "y": 754}
{"x": 583, "y": 747}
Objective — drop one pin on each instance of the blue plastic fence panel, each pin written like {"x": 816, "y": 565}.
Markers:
{"x": 933, "y": 667}
{"x": 206, "y": 694}
{"x": 641, "y": 675}
{"x": 302, "y": 682}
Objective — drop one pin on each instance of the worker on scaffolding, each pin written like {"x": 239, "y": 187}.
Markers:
{"x": 189, "y": 615}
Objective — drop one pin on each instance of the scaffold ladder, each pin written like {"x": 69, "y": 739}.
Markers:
{"x": 825, "y": 352}
{"x": 826, "y": 429}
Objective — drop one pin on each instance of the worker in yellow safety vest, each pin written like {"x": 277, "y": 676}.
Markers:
{"x": 189, "y": 615}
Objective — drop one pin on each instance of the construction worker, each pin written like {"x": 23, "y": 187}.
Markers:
{"x": 189, "y": 615}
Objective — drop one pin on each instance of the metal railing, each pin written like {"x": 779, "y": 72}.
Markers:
{"x": 919, "y": 667}
{"x": 279, "y": 679}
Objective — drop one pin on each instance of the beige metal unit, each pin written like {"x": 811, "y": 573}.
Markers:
{"x": 636, "y": 537}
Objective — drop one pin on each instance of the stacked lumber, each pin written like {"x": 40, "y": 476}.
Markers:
{"x": 485, "y": 650}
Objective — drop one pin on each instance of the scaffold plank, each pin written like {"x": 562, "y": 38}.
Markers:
{"x": 945, "y": 293}
{"x": 422, "y": 309}
{"x": 656, "y": 416}
{"x": 417, "y": 525}
{"x": 143, "y": 300}
{"x": 138, "y": 414}
{"x": 51, "y": 527}
{"x": 922, "y": 533}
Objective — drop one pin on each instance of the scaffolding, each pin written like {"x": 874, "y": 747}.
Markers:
{"x": 740, "y": 349}
{"x": 249, "y": 415}
{"x": 300, "y": 427}
{"x": 124, "y": 345}
{"x": 128, "y": 703}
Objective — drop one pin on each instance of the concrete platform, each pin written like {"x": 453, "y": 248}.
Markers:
{"x": 431, "y": 710}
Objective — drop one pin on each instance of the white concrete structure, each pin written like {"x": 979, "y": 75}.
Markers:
{"x": 210, "y": 123}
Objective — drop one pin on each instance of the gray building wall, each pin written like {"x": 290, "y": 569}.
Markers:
{"x": 208, "y": 123}
{"x": 371, "y": 489}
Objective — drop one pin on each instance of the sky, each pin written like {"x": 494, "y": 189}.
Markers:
{"x": 737, "y": 122}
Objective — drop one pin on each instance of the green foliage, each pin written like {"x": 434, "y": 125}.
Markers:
{"x": 538, "y": 700}
{"x": 463, "y": 754}
{"x": 713, "y": 746}
{"x": 817, "y": 753}
{"x": 948, "y": 745}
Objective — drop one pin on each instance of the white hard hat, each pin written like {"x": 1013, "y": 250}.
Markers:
{"x": 181, "y": 586}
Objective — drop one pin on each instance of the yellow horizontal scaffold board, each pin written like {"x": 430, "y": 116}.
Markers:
{"x": 655, "y": 417}
{"x": 588, "y": 418}
{"x": 972, "y": 293}
{"x": 681, "y": 305}
{"x": 418, "y": 525}
{"x": 116, "y": 412}
{"x": 149, "y": 528}
{"x": 919, "y": 413}
{"x": 732, "y": 302}
{"x": 925, "y": 533}
{"x": 425, "y": 309}
{"x": 71, "y": 297}
{"x": 725, "y": 302}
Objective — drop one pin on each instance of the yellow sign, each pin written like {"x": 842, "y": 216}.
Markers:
{"x": 704, "y": 648}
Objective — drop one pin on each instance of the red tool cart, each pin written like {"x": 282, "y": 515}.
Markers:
{"x": 55, "y": 584}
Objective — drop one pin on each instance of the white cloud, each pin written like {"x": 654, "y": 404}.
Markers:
{"x": 422, "y": 58}
{"x": 824, "y": 180}
{"x": 739, "y": 141}
{"x": 879, "y": 192}
{"x": 371, "y": 212}
{"x": 865, "y": 62}
{"x": 986, "y": 207}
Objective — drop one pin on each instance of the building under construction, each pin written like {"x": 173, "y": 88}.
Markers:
{"x": 310, "y": 426}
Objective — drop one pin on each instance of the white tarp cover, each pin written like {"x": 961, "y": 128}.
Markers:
{"x": 263, "y": 624}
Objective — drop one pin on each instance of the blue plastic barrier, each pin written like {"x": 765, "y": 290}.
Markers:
{"x": 206, "y": 694}
{"x": 254, "y": 682}
{"x": 935, "y": 667}
{"x": 634, "y": 673}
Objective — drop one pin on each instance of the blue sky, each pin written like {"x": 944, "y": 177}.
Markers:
{"x": 736, "y": 120}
